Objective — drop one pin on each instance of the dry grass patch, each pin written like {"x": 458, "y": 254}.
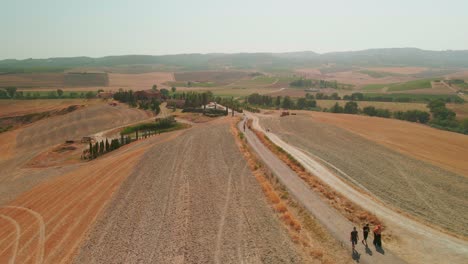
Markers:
{"x": 24, "y": 107}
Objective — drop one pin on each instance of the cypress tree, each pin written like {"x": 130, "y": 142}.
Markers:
{"x": 90, "y": 150}
{"x": 101, "y": 147}
{"x": 95, "y": 150}
{"x": 107, "y": 145}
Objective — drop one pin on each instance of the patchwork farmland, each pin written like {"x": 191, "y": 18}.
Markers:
{"x": 231, "y": 158}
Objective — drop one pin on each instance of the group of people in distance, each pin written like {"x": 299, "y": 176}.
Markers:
{"x": 365, "y": 233}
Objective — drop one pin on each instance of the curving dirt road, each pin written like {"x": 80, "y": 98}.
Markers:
{"x": 419, "y": 243}
{"x": 190, "y": 200}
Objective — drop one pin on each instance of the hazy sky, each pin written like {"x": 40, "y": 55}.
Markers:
{"x": 60, "y": 28}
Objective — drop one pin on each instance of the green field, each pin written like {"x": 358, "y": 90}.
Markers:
{"x": 374, "y": 87}
{"x": 256, "y": 81}
{"x": 192, "y": 84}
{"x": 395, "y": 87}
{"x": 411, "y": 85}
{"x": 259, "y": 80}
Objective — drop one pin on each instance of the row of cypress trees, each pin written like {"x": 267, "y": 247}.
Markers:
{"x": 99, "y": 148}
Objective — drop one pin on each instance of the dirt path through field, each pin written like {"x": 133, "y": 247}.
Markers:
{"x": 190, "y": 200}
{"x": 454, "y": 90}
{"x": 417, "y": 243}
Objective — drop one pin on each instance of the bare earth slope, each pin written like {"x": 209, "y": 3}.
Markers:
{"x": 47, "y": 223}
{"x": 191, "y": 200}
{"x": 23, "y": 107}
{"x": 19, "y": 146}
{"x": 77, "y": 124}
{"x": 417, "y": 187}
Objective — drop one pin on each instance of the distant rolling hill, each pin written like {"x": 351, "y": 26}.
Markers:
{"x": 261, "y": 61}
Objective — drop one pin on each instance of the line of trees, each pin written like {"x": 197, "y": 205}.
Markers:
{"x": 444, "y": 118}
{"x": 286, "y": 102}
{"x": 126, "y": 97}
{"x": 153, "y": 105}
{"x": 413, "y": 116}
{"x": 132, "y": 100}
{"x": 156, "y": 127}
{"x": 382, "y": 98}
{"x": 308, "y": 83}
{"x": 439, "y": 117}
{"x": 195, "y": 99}
{"x": 352, "y": 107}
{"x": 13, "y": 93}
{"x": 104, "y": 146}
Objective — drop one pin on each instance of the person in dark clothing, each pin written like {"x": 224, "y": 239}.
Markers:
{"x": 365, "y": 233}
{"x": 354, "y": 237}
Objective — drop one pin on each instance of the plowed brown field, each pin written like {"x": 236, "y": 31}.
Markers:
{"x": 139, "y": 81}
{"x": 47, "y": 223}
{"x": 31, "y": 80}
{"x": 18, "y": 147}
{"x": 182, "y": 196}
{"x": 399, "y": 70}
{"x": 191, "y": 200}
{"x": 442, "y": 148}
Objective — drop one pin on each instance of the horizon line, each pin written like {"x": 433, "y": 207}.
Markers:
{"x": 229, "y": 53}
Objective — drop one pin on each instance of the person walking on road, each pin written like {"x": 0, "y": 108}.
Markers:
{"x": 354, "y": 237}
{"x": 365, "y": 233}
{"x": 378, "y": 236}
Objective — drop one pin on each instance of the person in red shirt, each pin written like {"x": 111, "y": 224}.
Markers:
{"x": 378, "y": 236}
